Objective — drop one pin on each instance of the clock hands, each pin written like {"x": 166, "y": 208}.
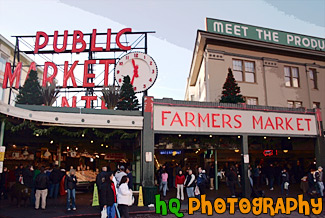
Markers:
{"x": 135, "y": 71}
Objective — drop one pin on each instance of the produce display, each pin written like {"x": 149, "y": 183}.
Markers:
{"x": 86, "y": 176}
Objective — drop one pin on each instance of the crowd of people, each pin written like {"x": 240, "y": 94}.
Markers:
{"x": 114, "y": 189}
{"x": 196, "y": 180}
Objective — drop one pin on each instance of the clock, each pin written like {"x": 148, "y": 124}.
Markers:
{"x": 141, "y": 69}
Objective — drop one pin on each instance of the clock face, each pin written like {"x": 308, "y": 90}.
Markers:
{"x": 141, "y": 69}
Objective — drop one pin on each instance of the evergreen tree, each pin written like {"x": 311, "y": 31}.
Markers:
{"x": 127, "y": 98}
{"x": 231, "y": 90}
{"x": 31, "y": 92}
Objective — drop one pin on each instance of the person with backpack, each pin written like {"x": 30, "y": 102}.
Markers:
{"x": 190, "y": 184}
{"x": 55, "y": 178}
{"x": 70, "y": 184}
{"x": 179, "y": 183}
{"x": 41, "y": 184}
{"x": 319, "y": 181}
{"x": 202, "y": 181}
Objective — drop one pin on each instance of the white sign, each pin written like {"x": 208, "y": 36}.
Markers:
{"x": 246, "y": 158}
{"x": 214, "y": 120}
{"x": 148, "y": 156}
{"x": 1, "y": 167}
{"x": 2, "y": 153}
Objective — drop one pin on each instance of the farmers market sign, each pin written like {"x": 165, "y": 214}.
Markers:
{"x": 264, "y": 34}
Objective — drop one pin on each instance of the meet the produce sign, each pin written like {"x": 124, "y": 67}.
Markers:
{"x": 79, "y": 45}
{"x": 264, "y": 34}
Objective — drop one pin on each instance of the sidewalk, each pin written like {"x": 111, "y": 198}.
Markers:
{"x": 56, "y": 208}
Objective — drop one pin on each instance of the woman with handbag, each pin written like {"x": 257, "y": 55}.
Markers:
{"x": 124, "y": 197}
{"x": 108, "y": 195}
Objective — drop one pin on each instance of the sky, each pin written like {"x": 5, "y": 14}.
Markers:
{"x": 175, "y": 22}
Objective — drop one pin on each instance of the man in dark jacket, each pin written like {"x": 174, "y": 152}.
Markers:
{"x": 201, "y": 181}
{"x": 28, "y": 178}
{"x": 232, "y": 180}
{"x": 55, "y": 178}
{"x": 270, "y": 175}
{"x": 311, "y": 183}
{"x": 101, "y": 178}
{"x": 107, "y": 197}
{"x": 41, "y": 184}
{"x": 70, "y": 185}
{"x": 130, "y": 176}
{"x": 4, "y": 183}
{"x": 319, "y": 181}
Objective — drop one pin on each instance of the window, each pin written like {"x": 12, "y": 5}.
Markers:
{"x": 251, "y": 101}
{"x": 3, "y": 61}
{"x": 313, "y": 77}
{"x": 294, "y": 104}
{"x": 291, "y": 76}
{"x": 316, "y": 105}
{"x": 244, "y": 71}
{"x": 192, "y": 97}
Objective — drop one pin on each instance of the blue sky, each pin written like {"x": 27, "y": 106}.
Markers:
{"x": 175, "y": 23}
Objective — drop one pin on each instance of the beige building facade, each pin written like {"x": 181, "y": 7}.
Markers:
{"x": 7, "y": 55}
{"x": 268, "y": 74}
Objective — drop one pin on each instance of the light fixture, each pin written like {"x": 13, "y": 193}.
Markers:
{"x": 47, "y": 153}
{"x": 91, "y": 159}
{"x": 102, "y": 154}
{"x": 106, "y": 146}
{"x": 238, "y": 136}
{"x": 91, "y": 141}
{"x": 37, "y": 134}
{"x": 285, "y": 151}
{"x": 76, "y": 148}
{"x": 14, "y": 146}
{"x": 102, "y": 145}
{"x": 289, "y": 137}
{"x": 25, "y": 152}
{"x": 210, "y": 136}
{"x": 236, "y": 150}
{"x": 97, "y": 156}
{"x": 83, "y": 135}
{"x": 179, "y": 135}
{"x": 51, "y": 141}
{"x": 68, "y": 147}
{"x": 264, "y": 137}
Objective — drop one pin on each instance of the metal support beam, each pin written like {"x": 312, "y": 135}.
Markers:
{"x": 2, "y": 132}
{"x": 245, "y": 163}
{"x": 216, "y": 183}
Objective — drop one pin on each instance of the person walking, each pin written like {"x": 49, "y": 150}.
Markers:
{"x": 55, "y": 178}
{"x": 270, "y": 176}
{"x": 100, "y": 180}
{"x": 319, "y": 181}
{"x": 164, "y": 179}
{"x": 285, "y": 181}
{"x": 179, "y": 183}
{"x": 41, "y": 184}
{"x": 232, "y": 180}
{"x": 70, "y": 184}
{"x": 212, "y": 175}
{"x": 130, "y": 176}
{"x": 190, "y": 184}
{"x": 120, "y": 174}
{"x": 4, "y": 178}
{"x": 108, "y": 195}
{"x": 28, "y": 178}
{"x": 310, "y": 179}
{"x": 124, "y": 197}
{"x": 201, "y": 181}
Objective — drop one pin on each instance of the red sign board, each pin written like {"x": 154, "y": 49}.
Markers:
{"x": 115, "y": 156}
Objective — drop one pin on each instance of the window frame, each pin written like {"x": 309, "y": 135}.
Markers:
{"x": 317, "y": 104}
{"x": 294, "y": 104}
{"x": 243, "y": 70}
{"x": 291, "y": 76}
{"x": 249, "y": 97}
{"x": 314, "y": 78}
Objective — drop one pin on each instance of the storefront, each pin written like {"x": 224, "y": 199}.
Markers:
{"x": 192, "y": 134}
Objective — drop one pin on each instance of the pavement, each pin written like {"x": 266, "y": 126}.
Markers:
{"x": 56, "y": 207}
